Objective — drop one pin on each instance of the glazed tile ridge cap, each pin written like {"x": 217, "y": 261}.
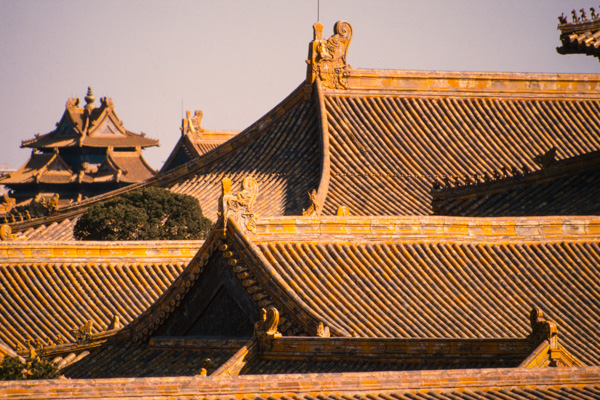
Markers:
{"x": 353, "y": 382}
{"x": 429, "y": 227}
{"x": 463, "y": 83}
{"x": 22, "y": 251}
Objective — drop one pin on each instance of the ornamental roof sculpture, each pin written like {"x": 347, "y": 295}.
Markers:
{"x": 194, "y": 141}
{"x": 581, "y": 35}
{"x": 89, "y": 153}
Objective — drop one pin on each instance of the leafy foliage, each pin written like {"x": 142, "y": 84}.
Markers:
{"x": 148, "y": 213}
{"x": 12, "y": 369}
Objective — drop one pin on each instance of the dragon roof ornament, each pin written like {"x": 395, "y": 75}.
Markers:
{"x": 327, "y": 57}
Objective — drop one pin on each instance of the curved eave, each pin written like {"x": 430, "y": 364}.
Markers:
{"x": 222, "y": 154}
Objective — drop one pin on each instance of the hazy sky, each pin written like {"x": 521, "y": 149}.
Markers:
{"x": 236, "y": 60}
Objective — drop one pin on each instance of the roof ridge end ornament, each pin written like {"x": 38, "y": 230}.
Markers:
{"x": 191, "y": 124}
{"x": 542, "y": 329}
{"x": 238, "y": 206}
{"x": 89, "y": 99}
{"x": 327, "y": 57}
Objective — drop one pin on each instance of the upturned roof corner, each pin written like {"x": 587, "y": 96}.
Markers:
{"x": 327, "y": 57}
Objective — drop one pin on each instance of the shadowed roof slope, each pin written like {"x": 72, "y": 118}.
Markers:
{"x": 566, "y": 187}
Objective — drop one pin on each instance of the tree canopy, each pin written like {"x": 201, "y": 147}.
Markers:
{"x": 148, "y": 213}
{"x": 12, "y": 368}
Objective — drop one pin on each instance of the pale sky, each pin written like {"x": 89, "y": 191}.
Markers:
{"x": 237, "y": 59}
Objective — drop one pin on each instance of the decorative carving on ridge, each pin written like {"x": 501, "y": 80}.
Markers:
{"x": 192, "y": 124}
{"x": 327, "y": 57}
{"x": 115, "y": 323}
{"x": 240, "y": 205}
{"x": 83, "y": 334}
{"x": 542, "y": 329}
{"x": 265, "y": 329}
{"x": 323, "y": 330}
{"x": 314, "y": 208}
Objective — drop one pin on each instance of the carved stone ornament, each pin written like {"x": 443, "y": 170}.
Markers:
{"x": 265, "y": 330}
{"x": 314, "y": 208}
{"x": 239, "y": 206}
{"x": 327, "y": 57}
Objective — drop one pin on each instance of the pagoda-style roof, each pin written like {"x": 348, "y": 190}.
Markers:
{"x": 90, "y": 126}
{"x": 51, "y": 288}
{"x": 581, "y": 35}
{"x": 194, "y": 141}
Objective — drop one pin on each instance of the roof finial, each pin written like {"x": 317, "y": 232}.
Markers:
{"x": 89, "y": 99}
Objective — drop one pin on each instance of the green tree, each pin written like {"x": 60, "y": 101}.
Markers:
{"x": 12, "y": 369}
{"x": 148, "y": 213}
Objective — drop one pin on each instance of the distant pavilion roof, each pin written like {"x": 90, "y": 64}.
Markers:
{"x": 90, "y": 126}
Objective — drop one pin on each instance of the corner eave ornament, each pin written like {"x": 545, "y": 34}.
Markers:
{"x": 327, "y": 57}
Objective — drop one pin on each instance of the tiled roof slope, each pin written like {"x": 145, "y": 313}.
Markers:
{"x": 437, "y": 277}
{"x": 581, "y": 35}
{"x": 391, "y": 133}
{"x": 194, "y": 141}
{"x": 129, "y": 359}
{"x": 567, "y": 187}
{"x": 90, "y": 126}
{"x": 283, "y": 150}
{"x": 492, "y": 384}
{"x": 47, "y": 289}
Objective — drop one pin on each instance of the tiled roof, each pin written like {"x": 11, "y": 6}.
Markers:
{"x": 129, "y": 359}
{"x": 92, "y": 127}
{"x": 48, "y": 289}
{"x": 52, "y": 169}
{"x": 132, "y": 165}
{"x": 377, "y": 146}
{"x": 289, "y": 355}
{"x": 389, "y": 141}
{"x": 282, "y": 150}
{"x": 54, "y": 231}
{"x": 581, "y": 35}
{"x": 493, "y": 384}
{"x": 192, "y": 145}
{"x": 566, "y": 187}
{"x": 438, "y": 277}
